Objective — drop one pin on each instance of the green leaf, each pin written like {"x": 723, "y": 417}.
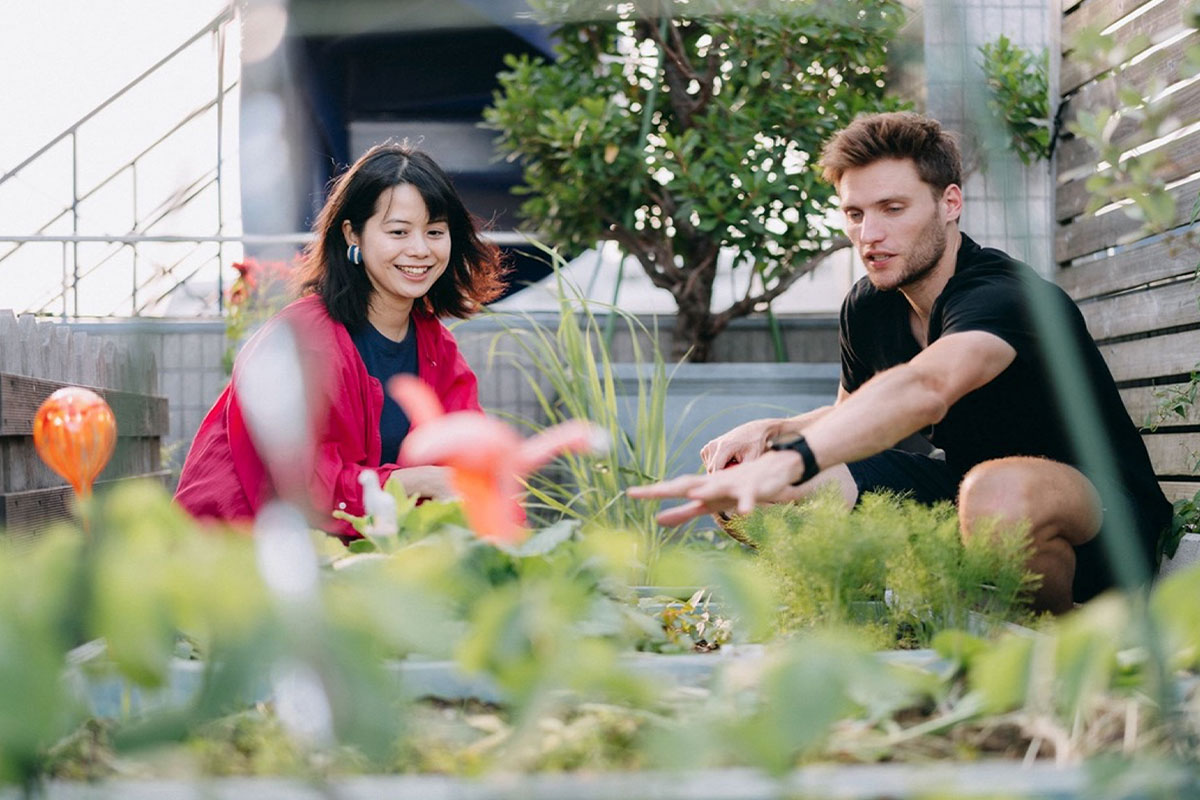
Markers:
{"x": 1002, "y": 674}
{"x": 546, "y": 540}
{"x": 959, "y": 646}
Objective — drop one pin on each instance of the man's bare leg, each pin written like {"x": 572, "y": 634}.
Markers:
{"x": 1058, "y": 502}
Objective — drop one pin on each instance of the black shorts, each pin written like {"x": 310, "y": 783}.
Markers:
{"x": 1093, "y": 573}
{"x": 923, "y": 478}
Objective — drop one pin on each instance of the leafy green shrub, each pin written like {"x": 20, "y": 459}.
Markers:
{"x": 680, "y": 128}
{"x": 1185, "y": 519}
{"x": 1019, "y": 95}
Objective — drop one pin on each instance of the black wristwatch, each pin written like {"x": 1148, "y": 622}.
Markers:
{"x": 806, "y": 456}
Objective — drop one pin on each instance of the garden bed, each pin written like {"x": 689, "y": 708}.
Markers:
{"x": 530, "y": 654}
{"x": 986, "y": 779}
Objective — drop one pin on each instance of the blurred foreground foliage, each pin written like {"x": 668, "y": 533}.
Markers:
{"x": 554, "y": 626}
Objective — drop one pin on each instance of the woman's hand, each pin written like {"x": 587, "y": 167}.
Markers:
{"x": 431, "y": 482}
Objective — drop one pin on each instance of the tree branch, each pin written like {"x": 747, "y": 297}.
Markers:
{"x": 657, "y": 261}
{"x": 677, "y": 69}
{"x": 712, "y": 67}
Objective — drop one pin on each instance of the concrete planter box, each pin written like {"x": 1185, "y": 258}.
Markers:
{"x": 1187, "y": 554}
{"x": 110, "y": 696}
{"x": 706, "y": 400}
{"x": 439, "y": 678}
{"x": 1041, "y": 780}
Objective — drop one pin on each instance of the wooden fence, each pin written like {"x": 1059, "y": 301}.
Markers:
{"x": 35, "y": 359}
{"x": 1138, "y": 292}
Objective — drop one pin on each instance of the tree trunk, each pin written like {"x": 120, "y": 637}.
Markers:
{"x": 695, "y": 326}
{"x": 692, "y": 335}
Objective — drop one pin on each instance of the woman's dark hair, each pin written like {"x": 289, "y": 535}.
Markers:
{"x": 899, "y": 135}
{"x": 475, "y": 274}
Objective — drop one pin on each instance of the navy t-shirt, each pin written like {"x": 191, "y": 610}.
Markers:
{"x": 1016, "y": 413}
{"x": 385, "y": 358}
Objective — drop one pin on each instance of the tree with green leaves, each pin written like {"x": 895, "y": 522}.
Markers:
{"x": 679, "y": 128}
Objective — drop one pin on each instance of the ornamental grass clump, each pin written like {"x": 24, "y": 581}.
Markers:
{"x": 570, "y": 370}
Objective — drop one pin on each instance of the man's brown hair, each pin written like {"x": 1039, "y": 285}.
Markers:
{"x": 899, "y": 135}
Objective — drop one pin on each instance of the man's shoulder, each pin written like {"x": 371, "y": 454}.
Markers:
{"x": 991, "y": 264}
{"x": 989, "y": 270}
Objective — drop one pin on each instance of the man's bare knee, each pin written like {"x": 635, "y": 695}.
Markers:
{"x": 995, "y": 493}
{"x": 1054, "y": 499}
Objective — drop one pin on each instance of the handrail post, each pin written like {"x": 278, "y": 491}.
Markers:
{"x": 65, "y": 244}
{"x": 220, "y": 34}
{"x": 75, "y": 215}
{"x": 136, "y": 225}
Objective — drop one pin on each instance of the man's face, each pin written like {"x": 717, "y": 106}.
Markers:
{"x": 894, "y": 221}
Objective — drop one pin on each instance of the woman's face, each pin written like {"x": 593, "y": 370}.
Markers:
{"x": 403, "y": 251}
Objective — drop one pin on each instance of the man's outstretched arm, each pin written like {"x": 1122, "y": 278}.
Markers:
{"x": 884, "y": 410}
{"x": 751, "y": 439}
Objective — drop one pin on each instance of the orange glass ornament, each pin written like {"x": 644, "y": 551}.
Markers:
{"x": 74, "y": 432}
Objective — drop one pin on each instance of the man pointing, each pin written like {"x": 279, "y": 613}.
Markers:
{"x": 938, "y": 339}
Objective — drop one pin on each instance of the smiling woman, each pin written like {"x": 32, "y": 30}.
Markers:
{"x": 403, "y": 252}
{"x": 395, "y": 249}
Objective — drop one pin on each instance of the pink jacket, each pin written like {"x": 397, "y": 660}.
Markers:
{"x": 224, "y": 478}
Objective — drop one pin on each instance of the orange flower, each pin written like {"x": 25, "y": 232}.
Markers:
{"x": 487, "y": 458}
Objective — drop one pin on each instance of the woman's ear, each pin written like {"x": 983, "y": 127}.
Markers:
{"x": 348, "y": 233}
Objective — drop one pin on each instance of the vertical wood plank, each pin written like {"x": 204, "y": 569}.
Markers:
{"x": 78, "y": 356}
{"x": 60, "y": 354}
{"x": 10, "y": 342}
{"x": 91, "y": 362}
{"x": 27, "y": 324}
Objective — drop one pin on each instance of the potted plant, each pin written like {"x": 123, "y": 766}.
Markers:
{"x": 681, "y": 130}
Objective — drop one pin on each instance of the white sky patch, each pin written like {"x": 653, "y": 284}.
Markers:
{"x": 62, "y": 58}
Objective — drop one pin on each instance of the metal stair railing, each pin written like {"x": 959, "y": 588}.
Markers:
{"x": 501, "y": 238}
{"x": 132, "y": 239}
{"x": 216, "y": 27}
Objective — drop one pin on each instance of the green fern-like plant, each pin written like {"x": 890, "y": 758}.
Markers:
{"x": 829, "y": 566}
{"x": 892, "y": 567}
{"x": 939, "y": 581}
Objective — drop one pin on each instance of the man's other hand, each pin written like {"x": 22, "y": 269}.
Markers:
{"x": 744, "y": 443}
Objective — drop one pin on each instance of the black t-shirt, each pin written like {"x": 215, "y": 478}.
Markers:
{"x": 1017, "y": 412}
{"x": 383, "y": 359}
